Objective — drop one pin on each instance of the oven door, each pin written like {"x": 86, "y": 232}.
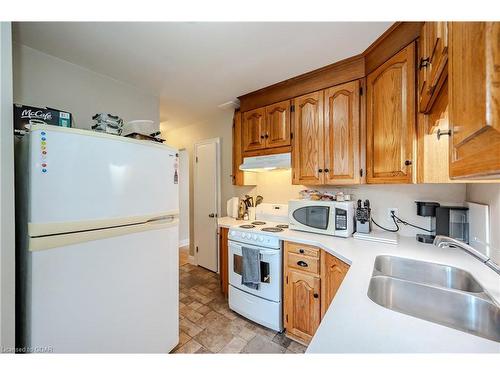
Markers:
{"x": 270, "y": 266}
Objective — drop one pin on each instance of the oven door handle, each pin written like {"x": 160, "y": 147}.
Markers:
{"x": 271, "y": 252}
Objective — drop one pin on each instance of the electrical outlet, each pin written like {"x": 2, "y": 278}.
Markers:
{"x": 390, "y": 211}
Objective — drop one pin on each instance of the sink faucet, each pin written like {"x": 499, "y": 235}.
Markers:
{"x": 443, "y": 241}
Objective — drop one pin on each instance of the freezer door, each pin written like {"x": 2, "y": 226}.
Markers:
{"x": 114, "y": 295}
{"x": 81, "y": 180}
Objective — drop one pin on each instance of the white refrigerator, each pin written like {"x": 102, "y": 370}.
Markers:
{"x": 97, "y": 243}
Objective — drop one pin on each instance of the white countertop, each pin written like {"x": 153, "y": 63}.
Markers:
{"x": 355, "y": 324}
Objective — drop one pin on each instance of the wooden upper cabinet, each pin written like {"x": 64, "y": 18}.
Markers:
{"x": 342, "y": 118}
{"x": 253, "y": 128}
{"x": 307, "y": 158}
{"x": 303, "y": 305}
{"x": 474, "y": 94}
{"x": 433, "y": 62}
{"x": 390, "y": 119}
{"x": 278, "y": 124}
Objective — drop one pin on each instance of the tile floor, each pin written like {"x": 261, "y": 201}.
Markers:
{"x": 207, "y": 325}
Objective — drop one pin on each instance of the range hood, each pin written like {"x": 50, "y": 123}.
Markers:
{"x": 267, "y": 163}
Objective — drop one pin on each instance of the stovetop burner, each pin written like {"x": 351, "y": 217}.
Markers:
{"x": 247, "y": 226}
{"x": 272, "y": 229}
{"x": 258, "y": 222}
{"x": 282, "y": 226}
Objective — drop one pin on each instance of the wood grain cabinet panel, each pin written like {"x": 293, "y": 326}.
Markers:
{"x": 223, "y": 260}
{"x": 253, "y": 128}
{"x": 333, "y": 271}
{"x": 474, "y": 92}
{"x": 391, "y": 119}
{"x": 433, "y": 62}
{"x": 278, "y": 125}
{"x": 308, "y": 141}
{"x": 342, "y": 119}
{"x": 303, "y": 305}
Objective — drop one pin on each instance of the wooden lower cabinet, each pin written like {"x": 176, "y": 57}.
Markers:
{"x": 308, "y": 291}
{"x": 223, "y": 260}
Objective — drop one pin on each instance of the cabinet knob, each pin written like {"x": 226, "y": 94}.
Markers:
{"x": 301, "y": 263}
{"x": 320, "y": 170}
{"x": 261, "y": 137}
{"x": 315, "y": 295}
{"x": 266, "y": 136}
{"x": 327, "y": 170}
{"x": 408, "y": 162}
{"x": 301, "y": 251}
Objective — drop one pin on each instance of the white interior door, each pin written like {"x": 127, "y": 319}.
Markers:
{"x": 206, "y": 203}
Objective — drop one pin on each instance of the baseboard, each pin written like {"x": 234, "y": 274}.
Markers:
{"x": 191, "y": 260}
{"x": 183, "y": 243}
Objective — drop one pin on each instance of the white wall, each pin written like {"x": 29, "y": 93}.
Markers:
{"x": 489, "y": 194}
{"x": 276, "y": 187}
{"x": 183, "y": 198}
{"x": 7, "y": 233}
{"x": 43, "y": 80}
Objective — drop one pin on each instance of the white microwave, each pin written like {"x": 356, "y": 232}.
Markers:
{"x": 324, "y": 217}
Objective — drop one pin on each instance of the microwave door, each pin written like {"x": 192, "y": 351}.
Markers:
{"x": 315, "y": 217}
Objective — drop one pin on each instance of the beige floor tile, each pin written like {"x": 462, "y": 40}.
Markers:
{"x": 195, "y": 305}
{"x": 204, "y": 309}
{"x": 296, "y": 347}
{"x": 189, "y": 327}
{"x": 214, "y": 339}
{"x": 192, "y": 346}
{"x": 262, "y": 344}
{"x": 192, "y": 315}
{"x": 183, "y": 338}
{"x": 234, "y": 346}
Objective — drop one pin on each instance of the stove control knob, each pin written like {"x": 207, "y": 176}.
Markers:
{"x": 261, "y": 239}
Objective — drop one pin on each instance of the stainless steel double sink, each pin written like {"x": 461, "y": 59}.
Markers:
{"x": 438, "y": 293}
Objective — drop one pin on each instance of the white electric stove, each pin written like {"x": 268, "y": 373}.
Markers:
{"x": 262, "y": 305}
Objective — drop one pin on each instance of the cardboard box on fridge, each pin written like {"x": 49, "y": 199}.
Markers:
{"x": 24, "y": 115}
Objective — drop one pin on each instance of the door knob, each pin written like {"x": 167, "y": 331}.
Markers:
{"x": 211, "y": 215}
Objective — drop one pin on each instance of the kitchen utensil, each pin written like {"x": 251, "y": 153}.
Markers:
{"x": 259, "y": 200}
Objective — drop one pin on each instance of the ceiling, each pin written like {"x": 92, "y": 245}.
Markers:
{"x": 195, "y": 66}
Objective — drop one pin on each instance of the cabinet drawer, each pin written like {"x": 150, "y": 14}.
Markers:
{"x": 303, "y": 263}
{"x": 297, "y": 248}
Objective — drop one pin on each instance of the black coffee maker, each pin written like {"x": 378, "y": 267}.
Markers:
{"x": 451, "y": 221}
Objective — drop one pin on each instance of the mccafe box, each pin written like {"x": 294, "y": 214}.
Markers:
{"x": 25, "y": 115}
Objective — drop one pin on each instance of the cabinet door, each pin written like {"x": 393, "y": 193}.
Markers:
{"x": 333, "y": 271}
{"x": 390, "y": 119}
{"x": 308, "y": 141}
{"x": 302, "y": 305}
{"x": 237, "y": 176}
{"x": 278, "y": 125}
{"x": 223, "y": 260}
{"x": 433, "y": 61}
{"x": 474, "y": 112}
{"x": 342, "y": 117}
{"x": 254, "y": 130}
